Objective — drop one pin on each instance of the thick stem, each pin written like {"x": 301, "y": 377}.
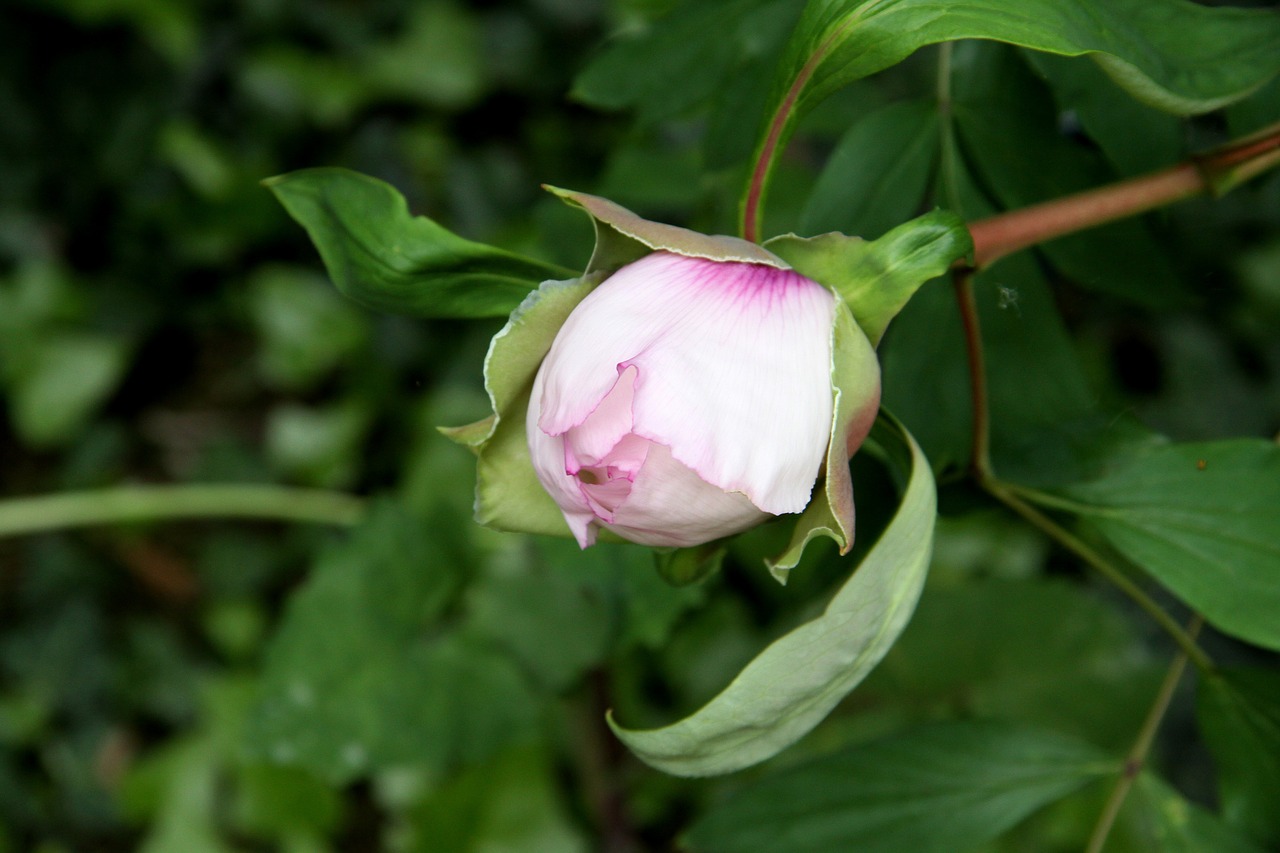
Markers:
{"x": 22, "y": 516}
{"x": 1216, "y": 171}
{"x": 1136, "y": 760}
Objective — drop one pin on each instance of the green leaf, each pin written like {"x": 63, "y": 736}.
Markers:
{"x": 878, "y": 173}
{"x": 61, "y": 384}
{"x": 1175, "y": 55}
{"x": 1202, "y": 519}
{"x": 1001, "y": 112}
{"x": 792, "y": 685}
{"x": 508, "y": 804}
{"x": 946, "y": 788}
{"x": 383, "y": 258}
{"x": 877, "y": 278}
{"x": 982, "y": 649}
{"x": 1168, "y": 823}
{"x": 360, "y": 676}
{"x": 1239, "y": 715}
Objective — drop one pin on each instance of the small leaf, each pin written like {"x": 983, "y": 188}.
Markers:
{"x": 942, "y": 789}
{"x": 1202, "y": 519}
{"x": 792, "y": 685}
{"x": 382, "y": 257}
{"x": 1239, "y": 714}
{"x": 877, "y": 278}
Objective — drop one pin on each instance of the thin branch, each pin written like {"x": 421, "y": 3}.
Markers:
{"x": 24, "y": 516}
{"x": 1136, "y": 760}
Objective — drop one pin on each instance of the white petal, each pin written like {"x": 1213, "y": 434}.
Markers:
{"x": 670, "y": 505}
{"x": 733, "y": 369}
{"x": 548, "y": 456}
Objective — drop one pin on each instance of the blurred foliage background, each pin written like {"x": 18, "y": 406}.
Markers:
{"x": 423, "y": 684}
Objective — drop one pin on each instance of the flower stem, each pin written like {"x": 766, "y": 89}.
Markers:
{"x": 1137, "y": 757}
{"x": 1215, "y": 172}
{"x": 23, "y": 516}
{"x": 981, "y": 441}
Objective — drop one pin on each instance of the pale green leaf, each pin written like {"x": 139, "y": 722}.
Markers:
{"x": 794, "y": 683}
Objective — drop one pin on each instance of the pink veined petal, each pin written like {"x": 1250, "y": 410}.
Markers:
{"x": 670, "y": 505}
{"x": 732, "y": 366}
{"x": 548, "y": 456}
{"x": 590, "y": 441}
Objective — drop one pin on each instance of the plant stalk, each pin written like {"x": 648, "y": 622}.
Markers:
{"x": 24, "y": 516}
{"x": 1214, "y": 172}
{"x": 1136, "y": 760}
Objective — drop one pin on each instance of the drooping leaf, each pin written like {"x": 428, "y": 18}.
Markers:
{"x": 1174, "y": 55}
{"x": 1239, "y": 714}
{"x": 386, "y": 259}
{"x": 942, "y": 789}
{"x": 877, "y": 278}
{"x": 1201, "y": 519}
{"x": 792, "y": 685}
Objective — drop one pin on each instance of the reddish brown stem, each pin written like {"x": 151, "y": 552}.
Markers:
{"x": 1216, "y": 171}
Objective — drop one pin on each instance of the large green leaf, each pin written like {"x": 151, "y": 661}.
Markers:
{"x": 384, "y": 258}
{"x": 793, "y": 684}
{"x": 1203, "y": 520}
{"x": 1175, "y": 55}
{"x": 1239, "y": 714}
{"x": 946, "y": 788}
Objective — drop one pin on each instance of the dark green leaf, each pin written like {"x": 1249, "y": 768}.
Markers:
{"x": 1174, "y": 54}
{"x": 946, "y": 788}
{"x": 792, "y": 685}
{"x": 1239, "y": 714}
{"x": 1045, "y": 652}
{"x": 359, "y": 676}
{"x": 877, "y": 175}
{"x": 384, "y": 258}
{"x": 1202, "y": 519}
{"x": 1168, "y": 823}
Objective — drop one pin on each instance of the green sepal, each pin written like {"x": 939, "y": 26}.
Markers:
{"x": 685, "y": 566}
{"x": 382, "y": 257}
{"x": 508, "y": 494}
{"x": 623, "y": 237}
{"x": 876, "y": 278}
{"x": 855, "y": 385}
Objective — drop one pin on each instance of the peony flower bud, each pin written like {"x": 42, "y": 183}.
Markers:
{"x": 684, "y": 388}
{"x": 684, "y": 400}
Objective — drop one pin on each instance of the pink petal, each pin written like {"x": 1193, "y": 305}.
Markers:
{"x": 732, "y": 370}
